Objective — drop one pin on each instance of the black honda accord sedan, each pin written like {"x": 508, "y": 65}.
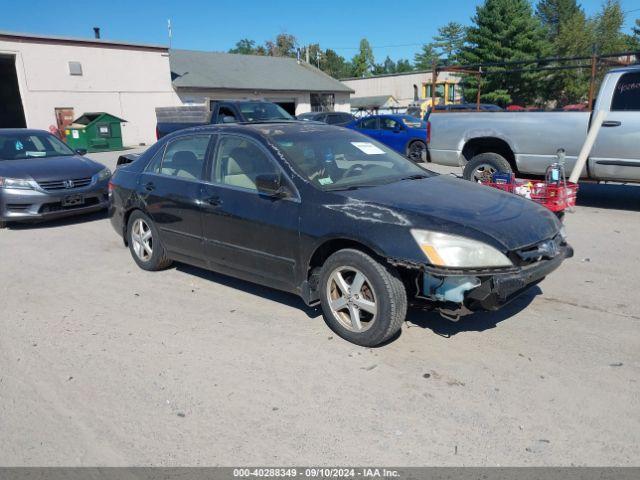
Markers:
{"x": 334, "y": 217}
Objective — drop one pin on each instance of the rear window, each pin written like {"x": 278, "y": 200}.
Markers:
{"x": 626, "y": 96}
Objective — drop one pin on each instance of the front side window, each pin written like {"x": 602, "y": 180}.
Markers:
{"x": 185, "y": 157}
{"x": 626, "y": 96}
{"x": 334, "y": 159}
{"x": 387, "y": 123}
{"x": 31, "y": 145}
{"x": 239, "y": 161}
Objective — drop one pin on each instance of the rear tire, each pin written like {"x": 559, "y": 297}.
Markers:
{"x": 144, "y": 243}
{"x": 481, "y": 167}
{"x": 363, "y": 300}
{"x": 417, "y": 151}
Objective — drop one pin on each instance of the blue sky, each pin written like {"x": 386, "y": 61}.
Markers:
{"x": 393, "y": 28}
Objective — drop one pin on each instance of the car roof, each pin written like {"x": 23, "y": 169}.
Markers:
{"x": 630, "y": 68}
{"x": 256, "y": 128}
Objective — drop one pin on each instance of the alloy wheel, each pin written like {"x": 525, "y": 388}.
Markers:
{"x": 142, "y": 240}
{"x": 351, "y": 299}
{"x": 483, "y": 173}
{"x": 416, "y": 152}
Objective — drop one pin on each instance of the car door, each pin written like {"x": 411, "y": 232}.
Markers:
{"x": 170, "y": 189}
{"x": 393, "y": 134}
{"x": 370, "y": 126}
{"x": 246, "y": 233}
{"x": 616, "y": 155}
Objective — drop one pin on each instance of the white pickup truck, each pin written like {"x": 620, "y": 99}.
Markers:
{"x": 527, "y": 142}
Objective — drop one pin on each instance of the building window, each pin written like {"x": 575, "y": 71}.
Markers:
{"x": 75, "y": 68}
{"x": 322, "y": 102}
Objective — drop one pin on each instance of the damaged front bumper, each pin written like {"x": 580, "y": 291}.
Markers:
{"x": 459, "y": 292}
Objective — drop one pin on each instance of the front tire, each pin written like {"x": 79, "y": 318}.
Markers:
{"x": 363, "y": 300}
{"x": 144, "y": 243}
{"x": 481, "y": 167}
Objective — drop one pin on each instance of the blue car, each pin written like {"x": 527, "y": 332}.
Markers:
{"x": 405, "y": 134}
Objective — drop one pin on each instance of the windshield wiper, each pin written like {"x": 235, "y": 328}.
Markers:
{"x": 417, "y": 176}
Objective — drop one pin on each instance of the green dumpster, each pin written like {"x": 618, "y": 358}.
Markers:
{"x": 95, "y": 132}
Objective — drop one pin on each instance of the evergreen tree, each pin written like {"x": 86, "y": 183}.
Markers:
{"x": 449, "y": 41}
{"x": 608, "y": 28}
{"x": 335, "y": 65}
{"x": 554, "y": 13}
{"x": 403, "y": 65}
{"x": 505, "y": 30}
{"x": 423, "y": 60}
{"x": 364, "y": 61}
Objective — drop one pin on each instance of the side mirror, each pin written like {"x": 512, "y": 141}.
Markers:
{"x": 81, "y": 151}
{"x": 228, "y": 119}
{"x": 270, "y": 184}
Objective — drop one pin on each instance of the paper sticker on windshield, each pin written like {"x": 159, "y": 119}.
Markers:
{"x": 29, "y": 153}
{"x": 325, "y": 181}
{"x": 368, "y": 148}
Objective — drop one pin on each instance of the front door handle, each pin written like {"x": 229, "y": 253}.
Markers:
{"x": 214, "y": 201}
{"x": 611, "y": 123}
{"x": 150, "y": 187}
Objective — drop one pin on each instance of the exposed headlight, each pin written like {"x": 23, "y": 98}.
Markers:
{"x": 446, "y": 250}
{"x": 18, "y": 183}
{"x": 103, "y": 174}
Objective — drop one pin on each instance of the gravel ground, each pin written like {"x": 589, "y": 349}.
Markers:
{"x": 104, "y": 364}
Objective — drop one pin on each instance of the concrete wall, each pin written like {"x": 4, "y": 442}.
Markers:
{"x": 302, "y": 99}
{"x": 400, "y": 86}
{"x": 125, "y": 81}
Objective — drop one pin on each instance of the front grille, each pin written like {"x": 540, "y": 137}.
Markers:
{"x": 57, "y": 206}
{"x": 65, "y": 184}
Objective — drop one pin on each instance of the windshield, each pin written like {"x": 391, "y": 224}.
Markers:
{"x": 262, "y": 111}
{"x": 340, "y": 159}
{"x": 18, "y": 146}
{"x": 307, "y": 116}
{"x": 412, "y": 122}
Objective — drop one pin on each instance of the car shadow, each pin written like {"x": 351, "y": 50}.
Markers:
{"x": 477, "y": 322}
{"x": 59, "y": 222}
{"x": 616, "y": 197}
{"x": 285, "y": 298}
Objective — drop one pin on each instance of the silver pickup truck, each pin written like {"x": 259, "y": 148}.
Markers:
{"x": 527, "y": 142}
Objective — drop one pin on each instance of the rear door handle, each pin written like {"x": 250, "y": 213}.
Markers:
{"x": 611, "y": 123}
{"x": 150, "y": 187}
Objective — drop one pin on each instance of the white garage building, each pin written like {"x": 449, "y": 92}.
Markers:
{"x": 47, "y": 82}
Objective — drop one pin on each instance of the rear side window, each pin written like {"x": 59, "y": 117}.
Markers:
{"x": 226, "y": 112}
{"x": 185, "y": 157}
{"x": 369, "y": 123}
{"x": 626, "y": 96}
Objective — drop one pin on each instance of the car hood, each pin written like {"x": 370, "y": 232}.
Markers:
{"x": 50, "y": 168}
{"x": 447, "y": 204}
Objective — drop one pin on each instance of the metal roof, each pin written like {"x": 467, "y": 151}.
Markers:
{"x": 75, "y": 40}
{"x": 217, "y": 70}
{"x": 379, "y": 101}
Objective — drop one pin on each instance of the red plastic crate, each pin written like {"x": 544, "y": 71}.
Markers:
{"x": 555, "y": 196}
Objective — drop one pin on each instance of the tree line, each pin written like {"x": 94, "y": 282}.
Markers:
{"x": 500, "y": 31}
